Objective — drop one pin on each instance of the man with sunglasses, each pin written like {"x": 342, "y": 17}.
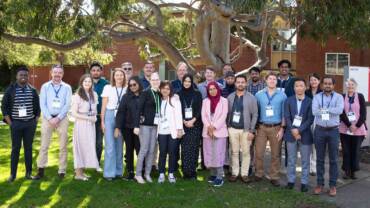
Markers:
{"x": 128, "y": 69}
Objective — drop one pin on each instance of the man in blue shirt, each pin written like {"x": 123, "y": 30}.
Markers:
{"x": 181, "y": 70}
{"x": 210, "y": 76}
{"x": 96, "y": 72}
{"x": 55, "y": 101}
{"x": 327, "y": 107}
{"x": 270, "y": 107}
{"x": 147, "y": 70}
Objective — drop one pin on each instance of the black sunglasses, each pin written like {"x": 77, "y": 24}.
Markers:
{"x": 127, "y": 69}
{"x": 132, "y": 85}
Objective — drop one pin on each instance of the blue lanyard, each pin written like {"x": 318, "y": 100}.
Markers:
{"x": 119, "y": 96}
{"x": 350, "y": 101}
{"x": 56, "y": 91}
{"x": 270, "y": 98}
{"x": 322, "y": 100}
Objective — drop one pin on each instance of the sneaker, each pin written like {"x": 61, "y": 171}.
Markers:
{"x": 218, "y": 182}
{"x": 140, "y": 179}
{"x": 211, "y": 179}
{"x": 318, "y": 190}
{"x": 332, "y": 191}
{"x": 148, "y": 179}
{"x": 172, "y": 179}
{"x": 99, "y": 170}
{"x": 246, "y": 179}
{"x": 129, "y": 177}
{"x": 161, "y": 178}
{"x": 233, "y": 178}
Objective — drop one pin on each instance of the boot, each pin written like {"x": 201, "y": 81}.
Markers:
{"x": 40, "y": 174}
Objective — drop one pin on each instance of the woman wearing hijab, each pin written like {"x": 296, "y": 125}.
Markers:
{"x": 191, "y": 104}
{"x": 214, "y": 113}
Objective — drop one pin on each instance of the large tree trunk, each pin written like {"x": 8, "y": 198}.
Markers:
{"x": 220, "y": 41}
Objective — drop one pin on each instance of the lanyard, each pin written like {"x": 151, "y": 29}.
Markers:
{"x": 119, "y": 95}
{"x": 270, "y": 98}
{"x": 56, "y": 91}
{"x": 156, "y": 100}
{"x": 164, "y": 112}
{"x": 322, "y": 100}
{"x": 351, "y": 100}
{"x": 90, "y": 103}
{"x": 300, "y": 106}
{"x": 191, "y": 103}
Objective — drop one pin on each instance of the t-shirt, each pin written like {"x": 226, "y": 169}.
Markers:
{"x": 114, "y": 95}
{"x": 164, "y": 127}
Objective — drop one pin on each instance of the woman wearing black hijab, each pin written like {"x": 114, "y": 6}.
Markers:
{"x": 191, "y": 104}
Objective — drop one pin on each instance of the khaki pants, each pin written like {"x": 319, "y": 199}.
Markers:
{"x": 265, "y": 134}
{"x": 46, "y": 133}
{"x": 239, "y": 142}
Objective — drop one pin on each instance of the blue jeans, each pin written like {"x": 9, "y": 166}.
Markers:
{"x": 167, "y": 146}
{"x": 113, "y": 155}
{"x": 305, "y": 150}
{"x": 322, "y": 139}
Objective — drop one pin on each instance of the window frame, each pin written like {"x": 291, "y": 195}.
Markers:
{"x": 337, "y": 69}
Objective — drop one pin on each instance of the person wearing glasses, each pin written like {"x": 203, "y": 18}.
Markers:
{"x": 128, "y": 69}
{"x": 55, "y": 101}
{"x": 127, "y": 111}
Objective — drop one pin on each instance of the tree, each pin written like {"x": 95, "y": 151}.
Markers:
{"x": 206, "y": 26}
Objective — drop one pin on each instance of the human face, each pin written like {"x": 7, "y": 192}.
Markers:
{"x": 22, "y": 77}
{"x": 314, "y": 82}
{"x": 133, "y": 86}
{"x": 165, "y": 91}
{"x": 148, "y": 69}
{"x": 181, "y": 71}
{"x": 255, "y": 76}
{"x": 212, "y": 90}
{"x": 119, "y": 77}
{"x": 209, "y": 75}
{"x": 284, "y": 69}
{"x": 95, "y": 72}
{"x": 226, "y": 68}
{"x": 351, "y": 87}
{"x": 187, "y": 83}
{"x": 230, "y": 80}
{"x": 155, "y": 81}
{"x": 57, "y": 74}
{"x": 299, "y": 88}
{"x": 240, "y": 84}
{"x": 271, "y": 81}
{"x": 127, "y": 68}
{"x": 87, "y": 83}
{"x": 328, "y": 85}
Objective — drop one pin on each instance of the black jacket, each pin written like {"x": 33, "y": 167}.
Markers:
{"x": 362, "y": 118}
{"x": 8, "y": 101}
{"x": 186, "y": 99}
{"x": 146, "y": 109}
{"x": 127, "y": 111}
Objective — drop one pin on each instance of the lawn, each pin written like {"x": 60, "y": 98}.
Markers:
{"x": 97, "y": 192}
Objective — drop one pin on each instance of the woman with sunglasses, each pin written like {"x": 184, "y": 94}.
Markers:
{"x": 127, "y": 111}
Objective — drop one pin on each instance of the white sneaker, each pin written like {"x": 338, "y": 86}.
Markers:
{"x": 171, "y": 179}
{"x": 148, "y": 179}
{"x": 161, "y": 178}
{"x": 140, "y": 179}
{"x": 99, "y": 170}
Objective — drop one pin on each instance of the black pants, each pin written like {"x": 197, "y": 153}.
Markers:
{"x": 170, "y": 146}
{"x": 22, "y": 131}
{"x": 190, "y": 144}
{"x": 132, "y": 143}
{"x": 99, "y": 138}
{"x": 351, "y": 152}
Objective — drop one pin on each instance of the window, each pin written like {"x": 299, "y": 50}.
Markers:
{"x": 335, "y": 63}
{"x": 278, "y": 45}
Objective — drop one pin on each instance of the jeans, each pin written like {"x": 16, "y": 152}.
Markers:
{"x": 170, "y": 146}
{"x": 113, "y": 156}
{"x": 305, "y": 150}
{"x": 132, "y": 143}
{"x": 322, "y": 139}
{"x": 99, "y": 138}
{"x": 148, "y": 140}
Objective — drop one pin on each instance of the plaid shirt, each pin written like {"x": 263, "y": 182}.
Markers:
{"x": 253, "y": 89}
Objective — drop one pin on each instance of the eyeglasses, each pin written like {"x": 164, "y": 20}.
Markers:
{"x": 127, "y": 69}
{"x": 132, "y": 85}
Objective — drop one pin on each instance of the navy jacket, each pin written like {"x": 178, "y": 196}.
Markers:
{"x": 290, "y": 110}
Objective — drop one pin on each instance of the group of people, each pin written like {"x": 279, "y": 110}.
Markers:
{"x": 229, "y": 121}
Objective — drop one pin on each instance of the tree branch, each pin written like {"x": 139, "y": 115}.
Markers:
{"x": 157, "y": 13}
{"x": 180, "y": 5}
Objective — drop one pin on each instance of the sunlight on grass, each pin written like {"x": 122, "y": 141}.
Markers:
{"x": 85, "y": 202}
{"x": 22, "y": 190}
{"x": 54, "y": 199}
{"x": 44, "y": 185}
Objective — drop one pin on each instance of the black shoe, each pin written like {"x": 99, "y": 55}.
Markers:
{"x": 290, "y": 186}
{"x": 304, "y": 188}
{"x": 353, "y": 176}
{"x": 28, "y": 176}
{"x": 275, "y": 183}
{"x": 347, "y": 175}
{"x": 118, "y": 177}
{"x": 130, "y": 176}
{"x": 11, "y": 179}
{"x": 40, "y": 174}
{"x": 61, "y": 175}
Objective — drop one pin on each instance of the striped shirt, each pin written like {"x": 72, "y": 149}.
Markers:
{"x": 23, "y": 99}
{"x": 254, "y": 88}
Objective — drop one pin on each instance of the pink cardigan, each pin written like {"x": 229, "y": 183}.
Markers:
{"x": 219, "y": 117}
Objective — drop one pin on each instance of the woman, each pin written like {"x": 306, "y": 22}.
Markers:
{"x": 127, "y": 111}
{"x": 191, "y": 105}
{"x": 170, "y": 131}
{"x": 84, "y": 111}
{"x": 214, "y": 113}
{"x": 112, "y": 95}
{"x": 314, "y": 88}
{"x": 352, "y": 129}
{"x": 146, "y": 123}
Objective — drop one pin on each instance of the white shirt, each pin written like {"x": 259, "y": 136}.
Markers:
{"x": 164, "y": 127}
{"x": 112, "y": 93}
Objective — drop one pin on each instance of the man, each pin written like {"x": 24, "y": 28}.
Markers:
{"x": 255, "y": 82}
{"x": 229, "y": 86}
{"x": 241, "y": 121}
{"x": 128, "y": 69}
{"x": 327, "y": 107}
{"x": 286, "y": 81}
{"x": 55, "y": 101}
{"x": 299, "y": 118}
{"x": 225, "y": 69}
{"x": 147, "y": 70}
{"x": 181, "y": 70}
{"x": 21, "y": 111}
{"x": 270, "y": 107}
{"x": 96, "y": 72}
{"x": 210, "y": 75}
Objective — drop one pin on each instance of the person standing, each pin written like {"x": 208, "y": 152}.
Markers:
{"x": 191, "y": 104}
{"x": 112, "y": 95}
{"x": 214, "y": 113}
{"x": 299, "y": 118}
{"x": 181, "y": 70}
{"x": 229, "y": 86}
{"x": 255, "y": 83}
{"x": 96, "y": 72}
{"x": 84, "y": 111}
{"x": 128, "y": 69}
{"x": 127, "y": 111}
{"x": 146, "y": 123}
{"x": 225, "y": 69}
{"x": 148, "y": 70}
{"x": 327, "y": 106}
{"x": 55, "y": 101}
{"x": 21, "y": 110}
{"x": 242, "y": 119}
{"x": 285, "y": 78}
{"x": 270, "y": 128}
{"x": 210, "y": 76}
{"x": 352, "y": 129}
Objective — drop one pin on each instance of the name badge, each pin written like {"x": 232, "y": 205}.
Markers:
{"x": 351, "y": 116}
{"x": 164, "y": 124}
{"x": 188, "y": 113}
{"x": 22, "y": 111}
{"x": 236, "y": 117}
{"x": 115, "y": 111}
{"x": 349, "y": 132}
{"x": 297, "y": 121}
{"x": 325, "y": 115}
{"x": 156, "y": 119}
{"x": 269, "y": 111}
{"x": 56, "y": 103}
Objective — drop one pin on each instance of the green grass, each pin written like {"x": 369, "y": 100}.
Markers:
{"x": 53, "y": 192}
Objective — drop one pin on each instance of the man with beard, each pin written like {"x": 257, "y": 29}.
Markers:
{"x": 255, "y": 82}
{"x": 229, "y": 86}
